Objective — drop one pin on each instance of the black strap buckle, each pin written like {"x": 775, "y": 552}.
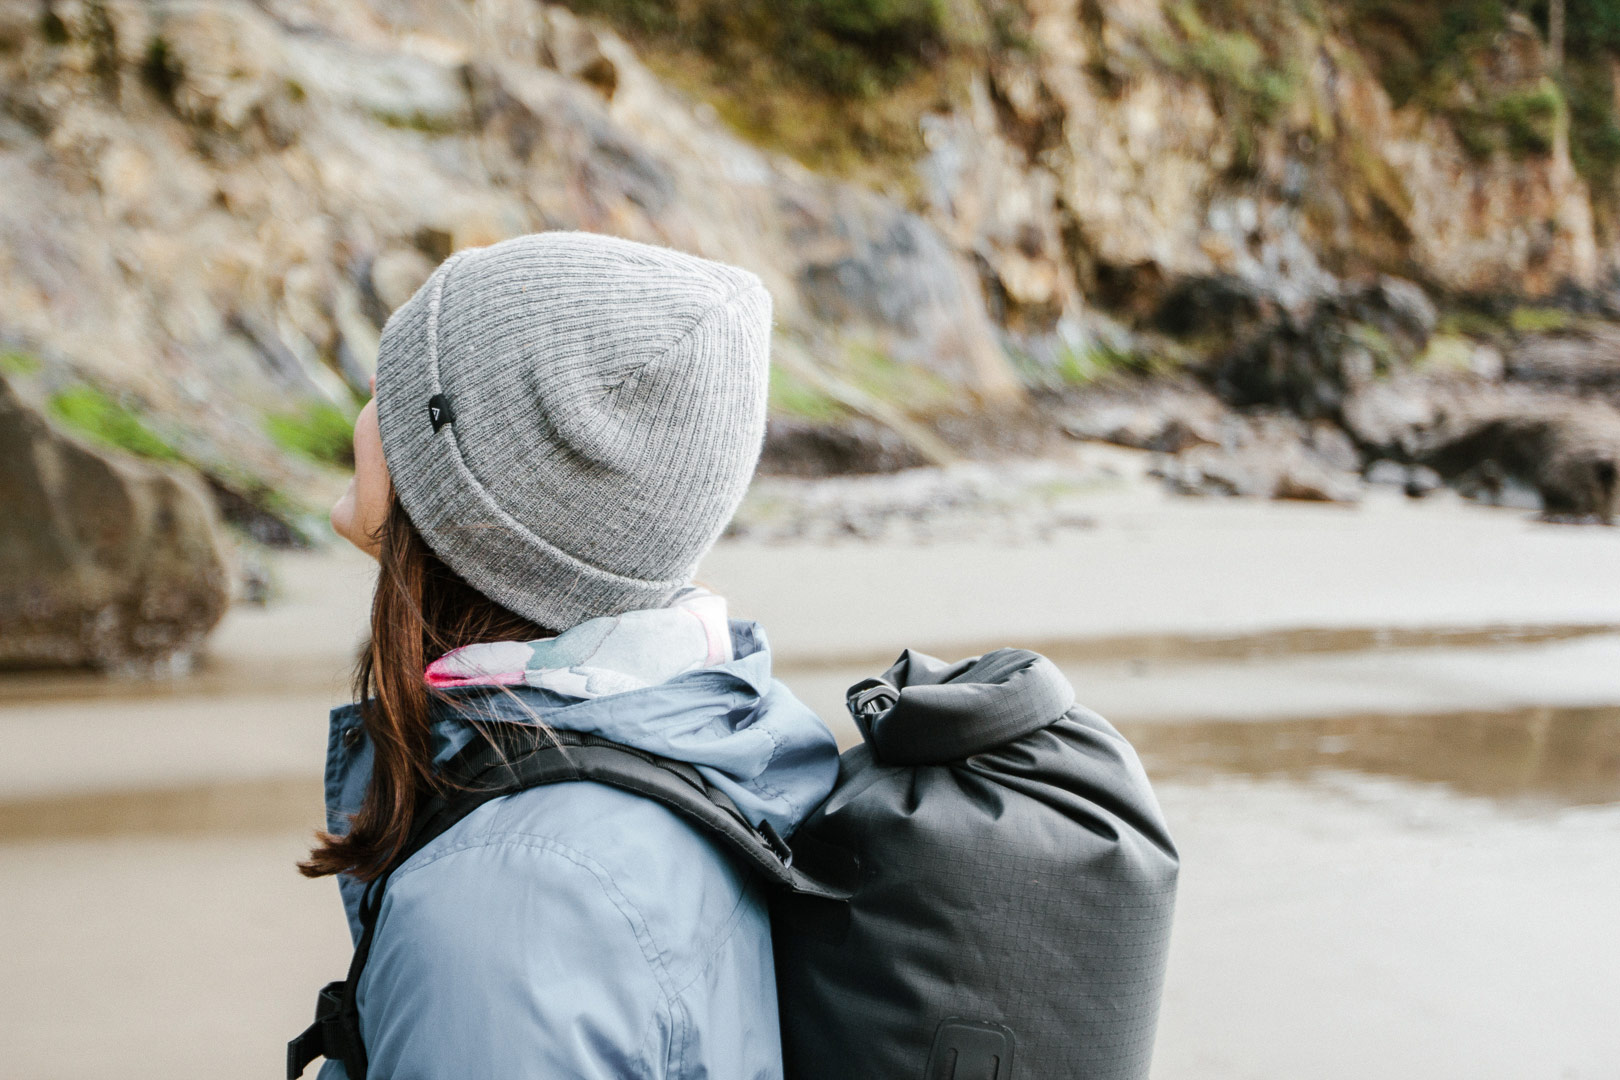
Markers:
{"x": 872, "y": 697}
{"x": 778, "y": 845}
{"x": 328, "y": 1036}
{"x": 868, "y": 701}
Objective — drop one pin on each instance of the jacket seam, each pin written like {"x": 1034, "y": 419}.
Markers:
{"x": 680, "y": 1023}
{"x": 680, "y": 1015}
{"x": 627, "y": 910}
{"x": 722, "y": 937}
{"x": 770, "y": 791}
{"x": 645, "y": 1049}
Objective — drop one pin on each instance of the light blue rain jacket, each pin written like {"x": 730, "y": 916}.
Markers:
{"x": 576, "y": 930}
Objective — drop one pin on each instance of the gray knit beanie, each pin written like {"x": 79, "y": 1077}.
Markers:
{"x": 571, "y": 419}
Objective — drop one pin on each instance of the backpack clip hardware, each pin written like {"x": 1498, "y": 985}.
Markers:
{"x": 774, "y": 839}
{"x": 334, "y": 1034}
{"x": 872, "y": 697}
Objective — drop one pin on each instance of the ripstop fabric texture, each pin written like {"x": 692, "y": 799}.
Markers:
{"x": 571, "y": 419}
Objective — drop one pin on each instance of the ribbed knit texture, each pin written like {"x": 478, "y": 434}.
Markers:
{"x": 609, "y": 403}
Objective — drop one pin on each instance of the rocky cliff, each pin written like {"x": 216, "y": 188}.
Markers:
{"x": 210, "y": 207}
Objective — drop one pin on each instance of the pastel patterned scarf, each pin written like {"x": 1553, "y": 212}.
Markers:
{"x": 601, "y": 656}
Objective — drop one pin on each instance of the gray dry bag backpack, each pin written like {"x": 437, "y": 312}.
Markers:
{"x": 986, "y": 895}
{"x": 1010, "y": 912}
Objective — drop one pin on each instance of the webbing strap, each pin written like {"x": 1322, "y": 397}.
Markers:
{"x": 507, "y": 761}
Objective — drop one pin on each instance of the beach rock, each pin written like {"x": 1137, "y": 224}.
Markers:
{"x": 1268, "y": 457}
{"x": 1386, "y": 473}
{"x": 1422, "y": 481}
{"x": 109, "y": 561}
{"x": 1167, "y": 417}
{"x": 1509, "y": 444}
{"x": 1584, "y": 362}
{"x": 1568, "y": 453}
{"x": 1309, "y": 362}
{"x": 854, "y": 445}
{"x": 1396, "y": 418}
{"x": 1417, "y": 481}
{"x": 1014, "y": 501}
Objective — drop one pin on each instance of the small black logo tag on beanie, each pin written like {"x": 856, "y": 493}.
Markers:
{"x": 439, "y": 412}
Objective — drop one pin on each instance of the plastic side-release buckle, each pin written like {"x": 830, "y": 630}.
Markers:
{"x": 325, "y": 1037}
{"x": 871, "y": 697}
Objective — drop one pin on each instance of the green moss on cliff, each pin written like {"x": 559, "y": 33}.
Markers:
{"x": 837, "y": 84}
{"x": 1523, "y": 122}
{"x": 1234, "y": 61}
{"x": 1251, "y": 55}
{"x": 103, "y": 419}
{"x": 1539, "y": 320}
{"x": 17, "y": 362}
{"x": 1481, "y": 64}
{"x": 842, "y": 47}
{"x": 320, "y": 432}
{"x": 876, "y": 374}
{"x": 791, "y": 395}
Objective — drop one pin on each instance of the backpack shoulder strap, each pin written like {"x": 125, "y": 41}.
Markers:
{"x": 504, "y": 761}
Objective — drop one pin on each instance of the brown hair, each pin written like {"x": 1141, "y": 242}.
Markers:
{"x": 421, "y": 610}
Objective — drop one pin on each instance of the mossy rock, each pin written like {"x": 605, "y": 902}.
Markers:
{"x": 112, "y": 561}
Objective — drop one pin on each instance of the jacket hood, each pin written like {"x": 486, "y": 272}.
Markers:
{"x": 743, "y": 730}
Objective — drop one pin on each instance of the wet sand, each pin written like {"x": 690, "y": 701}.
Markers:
{"x": 1338, "y": 925}
{"x": 1388, "y": 742}
{"x": 1356, "y": 926}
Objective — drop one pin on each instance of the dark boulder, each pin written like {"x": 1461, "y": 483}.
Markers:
{"x": 1586, "y": 362}
{"x": 1308, "y": 362}
{"x": 1220, "y": 305}
{"x": 106, "y": 560}
{"x": 795, "y": 447}
{"x": 1164, "y": 415}
{"x": 1417, "y": 481}
{"x": 1509, "y": 444}
{"x": 1567, "y": 452}
{"x": 1268, "y": 456}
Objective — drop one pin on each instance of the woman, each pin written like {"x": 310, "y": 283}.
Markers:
{"x": 563, "y": 423}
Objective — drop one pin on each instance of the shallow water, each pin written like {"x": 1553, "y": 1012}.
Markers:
{"x": 1521, "y": 760}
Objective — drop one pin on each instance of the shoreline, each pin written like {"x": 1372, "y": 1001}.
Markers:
{"x": 1160, "y": 609}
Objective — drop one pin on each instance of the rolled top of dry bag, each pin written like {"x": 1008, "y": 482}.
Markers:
{"x": 924, "y": 712}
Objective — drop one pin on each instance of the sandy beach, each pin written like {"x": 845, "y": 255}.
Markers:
{"x": 1385, "y": 738}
